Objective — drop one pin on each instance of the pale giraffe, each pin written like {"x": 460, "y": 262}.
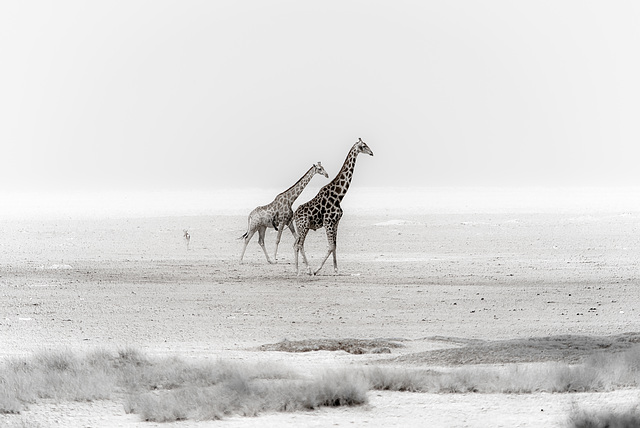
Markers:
{"x": 277, "y": 214}
{"x": 324, "y": 209}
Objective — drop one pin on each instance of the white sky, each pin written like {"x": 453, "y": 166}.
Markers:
{"x": 212, "y": 94}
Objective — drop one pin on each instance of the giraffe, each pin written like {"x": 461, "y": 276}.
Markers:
{"x": 278, "y": 214}
{"x": 324, "y": 209}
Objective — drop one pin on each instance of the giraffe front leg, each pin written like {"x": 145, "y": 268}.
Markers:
{"x": 335, "y": 247}
{"x": 261, "y": 242}
{"x": 293, "y": 231}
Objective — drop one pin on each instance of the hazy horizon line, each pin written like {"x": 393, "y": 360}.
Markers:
{"x": 386, "y": 201}
{"x": 62, "y": 190}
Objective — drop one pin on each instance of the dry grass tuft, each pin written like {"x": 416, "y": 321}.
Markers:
{"x": 9, "y": 402}
{"x": 242, "y": 395}
{"x": 58, "y": 375}
{"x": 352, "y": 346}
{"x": 605, "y": 418}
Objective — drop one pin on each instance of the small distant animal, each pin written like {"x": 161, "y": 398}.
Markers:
{"x": 278, "y": 214}
{"x": 187, "y": 237}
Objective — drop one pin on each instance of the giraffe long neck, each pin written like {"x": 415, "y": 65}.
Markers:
{"x": 340, "y": 184}
{"x": 292, "y": 193}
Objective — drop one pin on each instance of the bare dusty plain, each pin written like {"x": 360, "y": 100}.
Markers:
{"x": 432, "y": 280}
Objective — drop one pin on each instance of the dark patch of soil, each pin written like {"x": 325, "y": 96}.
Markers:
{"x": 570, "y": 349}
{"x": 352, "y": 346}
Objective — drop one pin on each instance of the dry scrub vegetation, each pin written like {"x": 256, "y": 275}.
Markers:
{"x": 171, "y": 389}
{"x": 605, "y": 419}
{"x": 601, "y": 372}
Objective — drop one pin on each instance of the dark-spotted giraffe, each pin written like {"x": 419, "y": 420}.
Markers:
{"x": 324, "y": 209}
{"x": 278, "y": 214}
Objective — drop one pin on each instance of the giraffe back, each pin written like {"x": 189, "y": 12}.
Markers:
{"x": 322, "y": 209}
{"x": 265, "y": 215}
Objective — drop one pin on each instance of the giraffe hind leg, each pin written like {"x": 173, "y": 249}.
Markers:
{"x": 261, "y": 232}
{"x": 331, "y": 238}
{"x": 247, "y": 237}
{"x": 275, "y": 253}
{"x": 299, "y": 249}
{"x": 329, "y": 252}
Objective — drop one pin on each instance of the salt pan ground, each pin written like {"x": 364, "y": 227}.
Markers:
{"x": 436, "y": 268}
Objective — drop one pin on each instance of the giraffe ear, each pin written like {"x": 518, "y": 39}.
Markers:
{"x": 319, "y": 163}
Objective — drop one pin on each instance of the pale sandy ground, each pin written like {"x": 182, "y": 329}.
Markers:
{"x": 83, "y": 283}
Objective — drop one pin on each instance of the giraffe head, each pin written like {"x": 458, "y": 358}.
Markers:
{"x": 319, "y": 169}
{"x": 361, "y": 147}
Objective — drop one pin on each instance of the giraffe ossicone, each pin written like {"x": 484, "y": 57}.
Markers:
{"x": 278, "y": 214}
{"x": 324, "y": 209}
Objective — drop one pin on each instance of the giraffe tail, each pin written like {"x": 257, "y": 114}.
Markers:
{"x": 248, "y": 227}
